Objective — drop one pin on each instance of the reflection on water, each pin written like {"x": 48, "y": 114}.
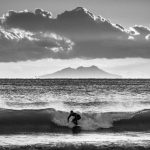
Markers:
{"x": 128, "y": 138}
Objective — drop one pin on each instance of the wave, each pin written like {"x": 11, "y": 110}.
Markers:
{"x": 140, "y": 121}
{"x": 51, "y": 120}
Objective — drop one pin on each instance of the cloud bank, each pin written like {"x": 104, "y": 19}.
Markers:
{"x": 20, "y": 45}
{"x": 78, "y": 33}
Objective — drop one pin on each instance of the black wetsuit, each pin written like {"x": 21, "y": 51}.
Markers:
{"x": 75, "y": 119}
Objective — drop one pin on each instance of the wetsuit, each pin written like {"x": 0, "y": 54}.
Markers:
{"x": 75, "y": 119}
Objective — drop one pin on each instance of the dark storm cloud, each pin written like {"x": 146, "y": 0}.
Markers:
{"x": 72, "y": 34}
{"x": 27, "y": 20}
{"x": 20, "y": 45}
{"x": 70, "y": 21}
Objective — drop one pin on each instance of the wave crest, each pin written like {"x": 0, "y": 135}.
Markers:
{"x": 51, "y": 120}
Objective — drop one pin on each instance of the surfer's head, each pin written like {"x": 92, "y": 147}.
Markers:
{"x": 71, "y": 111}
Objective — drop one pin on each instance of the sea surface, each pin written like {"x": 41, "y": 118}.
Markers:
{"x": 114, "y": 112}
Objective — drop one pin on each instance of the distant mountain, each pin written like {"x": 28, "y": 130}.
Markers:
{"x": 81, "y": 72}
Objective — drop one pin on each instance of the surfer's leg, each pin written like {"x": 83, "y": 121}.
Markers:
{"x": 75, "y": 121}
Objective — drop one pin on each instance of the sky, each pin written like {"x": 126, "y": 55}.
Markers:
{"x": 43, "y": 41}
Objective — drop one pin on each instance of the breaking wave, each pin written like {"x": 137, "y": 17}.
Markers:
{"x": 51, "y": 120}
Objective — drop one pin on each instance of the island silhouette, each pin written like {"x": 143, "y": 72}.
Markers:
{"x": 81, "y": 72}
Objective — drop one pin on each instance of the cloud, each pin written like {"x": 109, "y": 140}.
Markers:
{"x": 142, "y": 32}
{"x": 20, "y": 45}
{"x": 77, "y": 33}
{"x": 148, "y": 37}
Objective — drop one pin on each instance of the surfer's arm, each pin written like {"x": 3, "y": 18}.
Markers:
{"x": 68, "y": 117}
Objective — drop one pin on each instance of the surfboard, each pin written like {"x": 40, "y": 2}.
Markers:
{"x": 76, "y": 129}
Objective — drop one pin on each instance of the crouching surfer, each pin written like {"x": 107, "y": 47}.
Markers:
{"x": 76, "y": 129}
{"x": 76, "y": 117}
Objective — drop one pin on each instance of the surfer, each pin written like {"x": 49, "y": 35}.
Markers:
{"x": 76, "y": 117}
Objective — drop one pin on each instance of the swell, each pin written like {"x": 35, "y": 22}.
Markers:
{"x": 139, "y": 122}
{"x": 50, "y": 120}
{"x": 18, "y": 121}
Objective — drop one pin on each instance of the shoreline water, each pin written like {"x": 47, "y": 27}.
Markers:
{"x": 121, "y": 139}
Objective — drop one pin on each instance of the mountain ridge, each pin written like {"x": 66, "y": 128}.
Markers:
{"x": 81, "y": 72}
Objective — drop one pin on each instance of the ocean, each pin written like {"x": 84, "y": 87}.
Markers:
{"x": 115, "y": 113}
